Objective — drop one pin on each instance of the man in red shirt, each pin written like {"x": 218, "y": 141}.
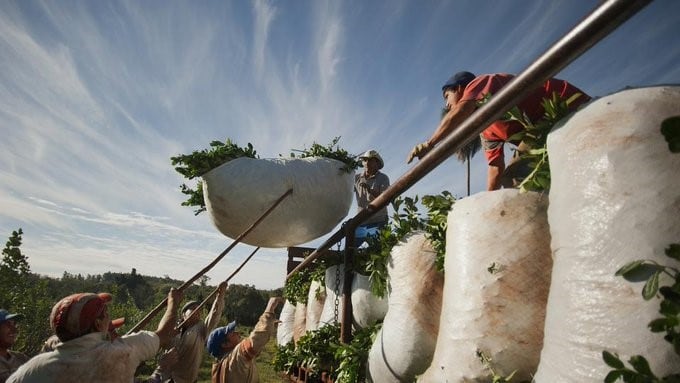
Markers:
{"x": 463, "y": 93}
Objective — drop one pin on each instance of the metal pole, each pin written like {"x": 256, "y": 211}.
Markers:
{"x": 238, "y": 239}
{"x": 593, "y": 28}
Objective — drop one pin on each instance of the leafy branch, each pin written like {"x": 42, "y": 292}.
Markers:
{"x": 297, "y": 286}
{"x": 200, "y": 162}
{"x": 669, "y": 322}
{"x": 372, "y": 260}
{"x": 495, "y": 377}
{"x": 332, "y": 151}
{"x": 534, "y": 137}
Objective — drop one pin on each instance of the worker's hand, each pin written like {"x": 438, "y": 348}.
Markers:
{"x": 419, "y": 151}
{"x": 174, "y": 297}
{"x": 273, "y": 303}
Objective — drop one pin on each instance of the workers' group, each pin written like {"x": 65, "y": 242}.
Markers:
{"x": 86, "y": 348}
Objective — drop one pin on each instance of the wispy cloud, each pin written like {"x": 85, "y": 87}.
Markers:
{"x": 95, "y": 97}
{"x": 264, "y": 15}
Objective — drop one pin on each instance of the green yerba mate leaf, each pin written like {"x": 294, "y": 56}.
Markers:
{"x": 673, "y": 251}
{"x": 651, "y": 287}
{"x": 657, "y": 325}
{"x": 670, "y": 128}
{"x": 612, "y": 376}
{"x": 641, "y": 365}
{"x": 612, "y": 360}
{"x": 638, "y": 271}
{"x": 670, "y": 295}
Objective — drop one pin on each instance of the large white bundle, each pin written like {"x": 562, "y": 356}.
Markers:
{"x": 404, "y": 346}
{"x": 367, "y": 308}
{"x": 333, "y": 274}
{"x": 614, "y": 199}
{"x": 284, "y": 333}
{"x": 299, "y": 326}
{"x": 315, "y": 302}
{"x": 240, "y": 191}
{"x": 497, "y": 277}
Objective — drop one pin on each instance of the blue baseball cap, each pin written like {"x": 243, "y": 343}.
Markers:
{"x": 6, "y": 315}
{"x": 460, "y": 78}
{"x": 217, "y": 337}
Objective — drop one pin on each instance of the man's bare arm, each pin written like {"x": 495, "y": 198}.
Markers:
{"x": 451, "y": 120}
{"x": 166, "y": 327}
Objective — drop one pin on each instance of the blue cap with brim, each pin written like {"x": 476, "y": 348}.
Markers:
{"x": 460, "y": 78}
{"x": 217, "y": 337}
{"x": 6, "y": 315}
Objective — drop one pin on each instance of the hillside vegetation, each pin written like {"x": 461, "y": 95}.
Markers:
{"x": 134, "y": 295}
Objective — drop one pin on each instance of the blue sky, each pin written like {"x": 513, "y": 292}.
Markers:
{"x": 95, "y": 97}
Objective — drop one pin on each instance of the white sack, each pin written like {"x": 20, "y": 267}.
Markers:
{"x": 404, "y": 346}
{"x": 240, "y": 191}
{"x": 367, "y": 308}
{"x": 284, "y": 333}
{"x": 500, "y": 313}
{"x": 328, "y": 312}
{"x": 299, "y": 327}
{"x": 314, "y": 305}
{"x": 615, "y": 198}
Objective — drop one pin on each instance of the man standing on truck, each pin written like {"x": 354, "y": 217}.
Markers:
{"x": 368, "y": 185}
{"x": 463, "y": 92}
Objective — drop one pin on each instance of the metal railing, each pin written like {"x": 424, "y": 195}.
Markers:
{"x": 593, "y": 28}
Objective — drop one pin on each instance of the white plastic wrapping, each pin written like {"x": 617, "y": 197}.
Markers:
{"x": 497, "y": 268}
{"x": 615, "y": 198}
{"x": 284, "y": 333}
{"x": 404, "y": 346}
{"x": 367, "y": 308}
{"x": 315, "y": 303}
{"x": 299, "y": 325}
{"x": 240, "y": 191}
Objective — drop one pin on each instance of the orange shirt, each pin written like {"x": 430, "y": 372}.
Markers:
{"x": 501, "y": 131}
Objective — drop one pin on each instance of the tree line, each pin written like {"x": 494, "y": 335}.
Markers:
{"x": 134, "y": 295}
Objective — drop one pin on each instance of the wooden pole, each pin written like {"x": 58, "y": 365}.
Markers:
{"x": 214, "y": 292}
{"x": 188, "y": 283}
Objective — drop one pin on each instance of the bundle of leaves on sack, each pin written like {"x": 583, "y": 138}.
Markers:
{"x": 311, "y": 191}
{"x": 199, "y": 162}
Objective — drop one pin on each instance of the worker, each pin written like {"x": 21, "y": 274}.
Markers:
{"x": 190, "y": 342}
{"x": 10, "y": 360}
{"x": 464, "y": 92}
{"x": 367, "y": 186}
{"x": 235, "y": 356}
{"x": 86, "y": 352}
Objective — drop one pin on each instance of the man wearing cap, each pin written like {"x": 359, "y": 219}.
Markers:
{"x": 236, "y": 356}
{"x": 464, "y": 92}
{"x": 367, "y": 186}
{"x": 9, "y": 360}
{"x": 190, "y": 342}
{"x": 86, "y": 352}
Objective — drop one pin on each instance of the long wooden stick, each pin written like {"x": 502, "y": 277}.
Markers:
{"x": 214, "y": 292}
{"x": 188, "y": 283}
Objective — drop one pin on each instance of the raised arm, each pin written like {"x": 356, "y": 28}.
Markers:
{"x": 458, "y": 113}
{"x": 166, "y": 327}
{"x": 217, "y": 308}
